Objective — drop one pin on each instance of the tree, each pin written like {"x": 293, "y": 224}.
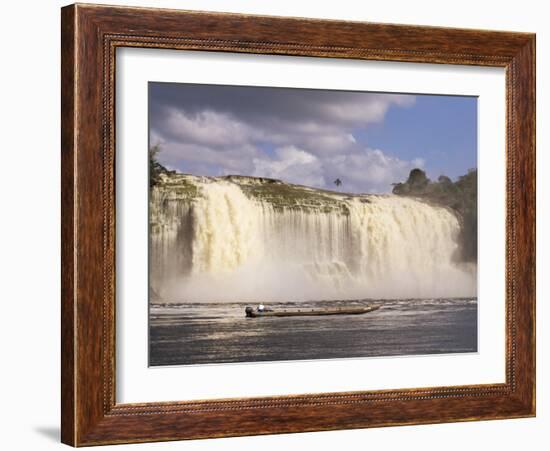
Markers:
{"x": 417, "y": 180}
{"x": 337, "y": 182}
{"x": 155, "y": 168}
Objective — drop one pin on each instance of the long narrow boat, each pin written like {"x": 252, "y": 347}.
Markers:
{"x": 255, "y": 313}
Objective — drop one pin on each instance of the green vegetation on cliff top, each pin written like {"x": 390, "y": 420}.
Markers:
{"x": 279, "y": 194}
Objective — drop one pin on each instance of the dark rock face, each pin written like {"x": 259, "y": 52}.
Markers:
{"x": 460, "y": 196}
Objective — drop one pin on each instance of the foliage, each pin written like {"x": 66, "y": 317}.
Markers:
{"x": 155, "y": 168}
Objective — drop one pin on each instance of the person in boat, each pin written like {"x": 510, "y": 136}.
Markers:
{"x": 262, "y": 308}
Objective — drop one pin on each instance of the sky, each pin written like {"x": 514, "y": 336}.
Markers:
{"x": 312, "y": 137}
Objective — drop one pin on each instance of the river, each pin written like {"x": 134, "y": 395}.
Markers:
{"x": 199, "y": 333}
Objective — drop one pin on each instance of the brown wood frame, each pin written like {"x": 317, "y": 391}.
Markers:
{"x": 90, "y": 36}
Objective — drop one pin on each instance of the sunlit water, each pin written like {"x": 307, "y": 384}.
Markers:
{"x": 198, "y": 333}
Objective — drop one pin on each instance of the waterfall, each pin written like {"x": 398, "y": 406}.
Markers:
{"x": 217, "y": 239}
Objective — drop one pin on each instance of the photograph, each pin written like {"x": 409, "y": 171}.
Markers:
{"x": 272, "y": 226}
{"x": 301, "y": 224}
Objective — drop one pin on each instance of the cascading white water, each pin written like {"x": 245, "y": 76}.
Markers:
{"x": 222, "y": 243}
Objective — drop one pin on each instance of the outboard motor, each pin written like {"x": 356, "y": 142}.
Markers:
{"x": 248, "y": 311}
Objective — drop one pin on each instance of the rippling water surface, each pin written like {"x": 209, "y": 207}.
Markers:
{"x": 200, "y": 333}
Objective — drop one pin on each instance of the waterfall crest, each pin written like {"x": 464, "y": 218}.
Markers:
{"x": 246, "y": 239}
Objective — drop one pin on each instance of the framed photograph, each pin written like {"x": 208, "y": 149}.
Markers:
{"x": 278, "y": 225}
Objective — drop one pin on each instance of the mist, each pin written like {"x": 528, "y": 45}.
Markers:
{"x": 222, "y": 240}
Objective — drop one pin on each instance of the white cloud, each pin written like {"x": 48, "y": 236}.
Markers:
{"x": 207, "y": 128}
{"x": 199, "y": 159}
{"x": 371, "y": 111}
{"x": 370, "y": 170}
{"x": 300, "y": 136}
{"x": 329, "y": 143}
{"x": 367, "y": 170}
{"x": 293, "y": 165}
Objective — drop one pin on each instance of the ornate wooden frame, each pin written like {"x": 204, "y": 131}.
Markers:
{"x": 90, "y": 36}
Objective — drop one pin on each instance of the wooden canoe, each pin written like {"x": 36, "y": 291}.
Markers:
{"x": 255, "y": 313}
